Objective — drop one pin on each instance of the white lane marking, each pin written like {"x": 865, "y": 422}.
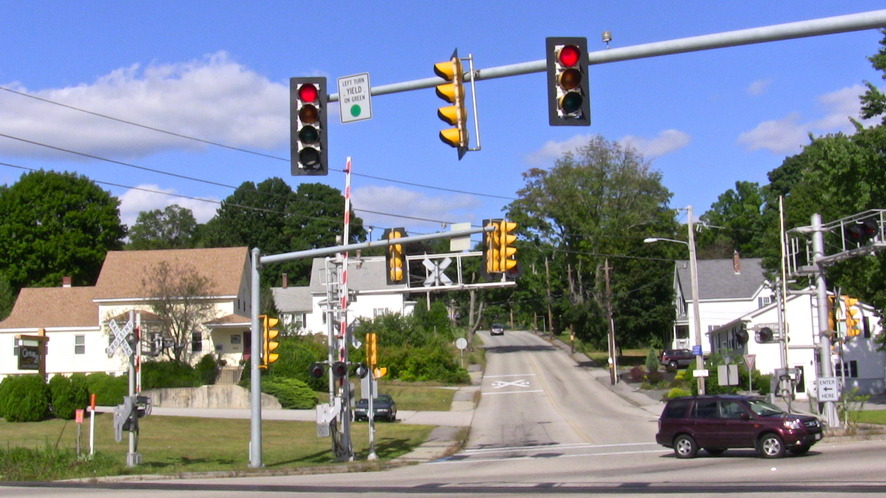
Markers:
{"x": 498, "y": 384}
{"x": 513, "y": 392}
{"x": 509, "y": 375}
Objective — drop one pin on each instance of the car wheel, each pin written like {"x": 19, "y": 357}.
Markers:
{"x": 685, "y": 446}
{"x": 771, "y": 446}
{"x": 715, "y": 451}
{"x": 800, "y": 450}
{"x": 674, "y": 365}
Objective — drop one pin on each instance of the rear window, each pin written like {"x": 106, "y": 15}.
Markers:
{"x": 676, "y": 409}
{"x": 705, "y": 408}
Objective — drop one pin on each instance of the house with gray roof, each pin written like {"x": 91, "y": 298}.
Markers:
{"x": 303, "y": 309}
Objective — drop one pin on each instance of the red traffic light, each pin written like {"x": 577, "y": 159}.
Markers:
{"x": 568, "y": 88}
{"x": 308, "y": 130}
{"x": 569, "y": 55}
{"x": 308, "y": 93}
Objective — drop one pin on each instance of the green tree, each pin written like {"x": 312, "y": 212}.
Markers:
{"x": 173, "y": 227}
{"x": 873, "y": 102}
{"x": 734, "y": 223}
{"x": 595, "y": 204}
{"x": 55, "y": 225}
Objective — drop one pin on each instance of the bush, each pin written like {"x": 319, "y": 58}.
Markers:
{"x": 291, "y": 393}
{"x": 67, "y": 395}
{"x": 433, "y": 364}
{"x": 207, "y": 369}
{"x": 27, "y": 399}
{"x": 637, "y": 374}
{"x": 108, "y": 390}
{"x": 677, "y": 392}
{"x": 162, "y": 374}
{"x": 651, "y": 361}
{"x": 5, "y": 385}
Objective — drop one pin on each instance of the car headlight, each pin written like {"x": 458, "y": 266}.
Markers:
{"x": 793, "y": 424}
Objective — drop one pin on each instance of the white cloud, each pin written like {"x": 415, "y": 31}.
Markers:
{"x": 665, "y": 142}
{"x": 790, "y": 133}
{"x": 551, "y": 151}
{"x": 758, "y": 87}
{"x": 150, "y": 197}
{"x": 212, "y": 98}
{"x": 392, "y": 200}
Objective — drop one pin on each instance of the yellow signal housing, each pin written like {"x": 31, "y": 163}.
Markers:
{"x": 269, "y": 342}
{"x": 453, "y": 92}
{"x": 852, "y": 318}
{"x": 507, "y": 252}
{"x": 395, "y": 256}
{"x": 372, "y": 349}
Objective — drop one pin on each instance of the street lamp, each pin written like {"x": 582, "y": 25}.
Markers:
{"x": 693, "y": 277}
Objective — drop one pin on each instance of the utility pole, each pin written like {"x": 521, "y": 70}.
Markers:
{"x": 821, "y": 294}
{"x": 613, "y": 353}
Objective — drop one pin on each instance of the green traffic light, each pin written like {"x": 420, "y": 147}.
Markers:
{"x": 309, "y": 135}
{"x": 571, "y": 102}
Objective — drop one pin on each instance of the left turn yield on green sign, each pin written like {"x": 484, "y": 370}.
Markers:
{"x": 353, "y": 98}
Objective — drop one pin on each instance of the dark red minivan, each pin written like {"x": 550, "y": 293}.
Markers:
{"x": 718, "y": 422}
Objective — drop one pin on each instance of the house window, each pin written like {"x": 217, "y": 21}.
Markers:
{"x": 764, "y": 301}
{"x": 847, "y": 369}
{"x": 196, "y": 342}
{"x": 79, "y": 344}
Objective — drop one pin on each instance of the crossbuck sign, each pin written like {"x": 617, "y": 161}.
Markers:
{"x": 120, "y": 337}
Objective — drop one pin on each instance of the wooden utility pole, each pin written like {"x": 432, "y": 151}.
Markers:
{"x": 613, "y": 354}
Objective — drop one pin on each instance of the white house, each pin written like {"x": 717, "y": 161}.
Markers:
{"x": 76, "y": 320}
{"x": 734, "y": 296}
{"x": 302, "y": 309}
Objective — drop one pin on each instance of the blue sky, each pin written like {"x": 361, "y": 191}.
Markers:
{"x": 220, "y": 70}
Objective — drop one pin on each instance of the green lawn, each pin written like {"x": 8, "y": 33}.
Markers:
{"x": 872, "y": 417}
{"x": 172, "y": 445}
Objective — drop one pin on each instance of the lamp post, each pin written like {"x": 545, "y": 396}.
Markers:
{"x": 693, "y": 277}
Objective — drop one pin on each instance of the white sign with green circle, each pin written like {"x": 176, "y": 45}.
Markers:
{"x": 353, "y": 98}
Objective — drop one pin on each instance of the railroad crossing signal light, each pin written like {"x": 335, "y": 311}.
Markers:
{"x": 861, "y": 231}
{"x": 851, "y": 312}
{"x": 307, "y": 126}
{"x": 372, "y": 349}
{"x": 569, "y": 97}
{"x": 269, "y": 342}
{"x": 455, "y": 114}
{"x": 316, "y": 370}
{"x": 395, "y": 258}
{"x": 339, "y": 369}
{"x": 765, "y": 335}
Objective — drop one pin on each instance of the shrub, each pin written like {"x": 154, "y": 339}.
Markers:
{"x": 27, "y": 399}
{"x": 207, "y": 369}
{"x": 291, "y": 393}
{"x": 677, "y": 392}
{"x": 651, "y": 361}
{"x": 637, "y": 373}
{"x": 108, "y": 390}
{"x": 433, "y": 364}
{"x": 68, "y": 395}
{"x": 5, "y": 385}
{"x": 162, "y": 374}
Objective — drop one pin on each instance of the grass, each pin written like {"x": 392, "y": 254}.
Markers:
{"x": 871, "y": 416}
{"x": 175, "y": 445}
{"x": 418, "y": 396}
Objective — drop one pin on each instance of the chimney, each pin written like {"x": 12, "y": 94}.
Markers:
{"x": 66, "y": 281}
{"x": 285, "y": 278}
{"x": 736, "y": 263}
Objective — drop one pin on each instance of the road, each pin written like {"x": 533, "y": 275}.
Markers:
{"x": 545, "y": 426}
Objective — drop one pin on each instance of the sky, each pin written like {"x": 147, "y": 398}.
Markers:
{"x": 171, "y": 102}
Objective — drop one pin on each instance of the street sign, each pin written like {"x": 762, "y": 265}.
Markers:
{"x": 120, "y": 338}
{"x": 828, "y": 389}
{"x": 354, "y": 103}
{"x": 696, "y": 350}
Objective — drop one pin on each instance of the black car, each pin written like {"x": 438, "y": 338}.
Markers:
{"x": 383, "y": 406}
{"x": 496, "y": 329}
{"x": 676, "y": 358}
{"x": 718, "y": 422}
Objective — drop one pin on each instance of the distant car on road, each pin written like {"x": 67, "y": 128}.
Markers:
{"x": 676, "y": 358}
{"x": 497, "y": 329}
{"x": 716, "y": 423}
{"x": 384, "y": 407}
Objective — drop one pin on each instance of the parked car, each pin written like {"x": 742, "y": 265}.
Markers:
{"x": 383, "y": 406}
{"x": 496, "y": 329}
{"x": 676, "y": 358}
{"x": 716, "y": 423}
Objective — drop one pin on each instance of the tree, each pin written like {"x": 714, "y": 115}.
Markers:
{"x": 873, "y": 102}
{"x": 178, "y": 295}
{"x": 55, "y": 225}
{"x": 599, "y": 202}
{"x": 734, "y": 223}
{"x": 173, "y": 227}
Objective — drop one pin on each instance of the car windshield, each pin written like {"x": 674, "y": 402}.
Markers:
{"x": 764, "y": 408}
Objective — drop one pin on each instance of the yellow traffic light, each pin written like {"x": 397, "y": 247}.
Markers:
{"x": 832, "y": 317}
{"x": 269, "y": 343}
{"x": 491, "y": 259}
{"x": 852, "y": 316}
{"x": 395, "y": 258}
{"x": 453, "y": 92}
{"x": 507, "y": 252}
{"x": 371, "y": 349}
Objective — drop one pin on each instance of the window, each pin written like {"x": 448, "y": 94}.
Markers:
{"x": 763, "y": 301}
{"x": 196, "y": 342}
{"x": 730, "y": 409}
{"x": 676, "y": 409}
{"x": 847, "y": 369}
{"x": 705, "y": 408}
{"x": 79, "y": 344}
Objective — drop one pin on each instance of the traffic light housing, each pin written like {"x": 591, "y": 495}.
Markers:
{"x": 269, "y": 340}
{"x": 569, "y": 98}
{"x": 500, "y": 255}
{"x": 832, "y": 314}
{"x": 394, "y": 256}
{"x": 456, "y": 114}
{"x": 852, "y": 316}
{"x": 861, "y": 231}
{"x": 372, "y": 349}
{"x": 307, "y": 126}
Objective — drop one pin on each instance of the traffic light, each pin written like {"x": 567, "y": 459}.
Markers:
{"x": 453, "y": 92}
{"x": 861, "y": 231}
{"x": 307, "y": 126}
{"x": 569, "y": 99}
{"x": 832, "y": 314}
{"x": 395, "y": 258}
{"x": 269, "y": 343}
{"x": 507, "y": 252}
{"x": 851, "y": 312}
{"x": 372, "y": 349}
{"x": 491, "y": 259}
